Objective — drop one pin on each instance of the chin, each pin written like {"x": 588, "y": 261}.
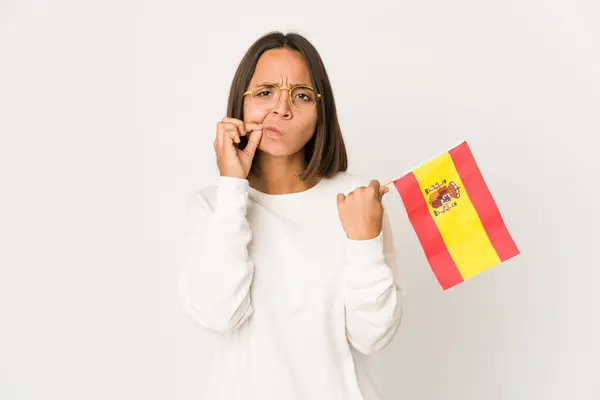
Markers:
{"x": 276, "y": 148}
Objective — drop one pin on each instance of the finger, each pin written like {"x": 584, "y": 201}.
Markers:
{"x": 233, "y": 133}
{"x": 375, "y": 185}
{"x": 228, "y": 129}
{"x": 239, "y": 125}
{"x": 219, "y": 136}
{"x": 225, "y": 136}
{"x": 340, "y": 198}
{"x": 253, "y": 126}
{"x": 253, "y": 142}
{"x": 244, "y": 127}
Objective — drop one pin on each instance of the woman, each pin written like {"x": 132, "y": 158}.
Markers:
{"x": 289, "y": 259}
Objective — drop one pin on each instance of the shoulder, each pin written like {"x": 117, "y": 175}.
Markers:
{"x": 202, "y": 199}
{"x": 223, "y": 190}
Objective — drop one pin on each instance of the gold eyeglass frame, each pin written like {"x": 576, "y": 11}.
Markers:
{"x": 290, "y": 90}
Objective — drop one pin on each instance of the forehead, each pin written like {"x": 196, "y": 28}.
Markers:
{"x": 281, "y": 66}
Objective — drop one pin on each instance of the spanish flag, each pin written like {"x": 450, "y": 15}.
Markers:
{"x": 455, "y": 217}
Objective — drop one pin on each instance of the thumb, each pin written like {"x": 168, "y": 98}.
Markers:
{"x": 340, "y": 199}
{"x": 383, "y": 190}
{"x": 253, "y": 141}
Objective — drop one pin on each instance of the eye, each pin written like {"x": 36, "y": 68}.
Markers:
{"x": 304, "y": 96}
{"x": 264, "y": 91}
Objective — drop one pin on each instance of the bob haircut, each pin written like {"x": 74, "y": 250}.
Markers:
{"x": 325, "y": 153}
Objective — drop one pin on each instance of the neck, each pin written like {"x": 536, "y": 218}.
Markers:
{"x": 280, "y": 174}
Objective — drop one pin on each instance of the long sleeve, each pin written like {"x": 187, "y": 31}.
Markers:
{"x": 216, "y": 270}
{"x": 373, "y": 295}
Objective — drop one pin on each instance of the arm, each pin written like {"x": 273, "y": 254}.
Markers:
{"x": 217, "y": 271}
{"x": 373, "y": 294}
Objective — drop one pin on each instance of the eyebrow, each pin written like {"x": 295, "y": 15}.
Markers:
{"x": 280, "y": 84}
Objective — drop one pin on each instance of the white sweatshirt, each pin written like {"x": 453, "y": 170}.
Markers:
{"x": 295, "y": 303}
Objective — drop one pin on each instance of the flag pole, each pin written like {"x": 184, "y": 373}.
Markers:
{"x": 423, "y": 163}
{"x": 392, "y": 181}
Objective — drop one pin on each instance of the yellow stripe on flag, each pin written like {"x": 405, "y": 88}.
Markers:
{"x": 460, "y": 226}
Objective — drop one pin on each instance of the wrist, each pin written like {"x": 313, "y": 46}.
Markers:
{"x": 231, "y": 174}
{"x": 365, "y": 251}
{"x": 363, "y": 235}
{"x": 364, "y": 231}
{"x": 231, "y": 191}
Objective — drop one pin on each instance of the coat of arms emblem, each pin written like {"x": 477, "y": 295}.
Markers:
{"x": 442, "y": 196}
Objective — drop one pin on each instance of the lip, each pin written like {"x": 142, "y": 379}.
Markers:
{"x": 272, "y": 131}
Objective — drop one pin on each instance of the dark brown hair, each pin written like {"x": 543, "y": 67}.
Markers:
{"x": 325, "y": 153}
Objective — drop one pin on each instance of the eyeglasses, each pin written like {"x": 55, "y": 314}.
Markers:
{"x": 302, "y": 97}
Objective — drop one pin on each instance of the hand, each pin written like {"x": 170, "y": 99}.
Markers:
{"x": 231, "y": 160}
{"x": 361, "y": 211}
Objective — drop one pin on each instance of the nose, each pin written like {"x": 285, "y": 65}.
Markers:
{"x": 283, "y": 107}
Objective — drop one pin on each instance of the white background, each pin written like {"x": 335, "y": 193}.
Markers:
{"x": 107, "y": 116}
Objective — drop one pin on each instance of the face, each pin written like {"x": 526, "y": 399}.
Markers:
{"x": 287, "y": 129}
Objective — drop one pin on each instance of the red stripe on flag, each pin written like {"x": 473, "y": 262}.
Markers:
{"x": 484, "y": 203}
{"x": 435, "y": 249}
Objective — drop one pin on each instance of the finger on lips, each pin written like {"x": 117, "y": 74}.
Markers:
{"x": 243, "y": 127}
{"x": 253, "y": 126}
